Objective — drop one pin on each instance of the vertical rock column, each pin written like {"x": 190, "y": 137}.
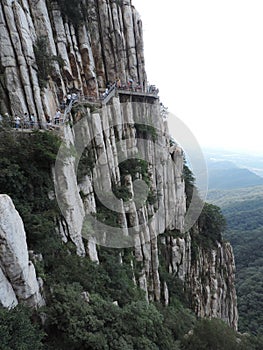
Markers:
{"x": 15, "y": 266}
{"x": 43, "y": 29}
{"x": 20, "y": 72}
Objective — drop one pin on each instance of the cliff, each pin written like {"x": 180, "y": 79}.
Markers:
{"x": 129, "y": 189}
{"x": 18, "y": 281}
{"x": 105, "y": 45}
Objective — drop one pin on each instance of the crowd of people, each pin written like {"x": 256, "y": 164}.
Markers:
{"x": 29, "y": 121}
{"x": 68, "y": 98}
{"x": 130, "y": 86}
{"x": 25, "y": 121}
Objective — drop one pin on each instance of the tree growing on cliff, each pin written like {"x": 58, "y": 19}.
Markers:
{"x": 71, "y": 10}
{"x": 211, "y": 222}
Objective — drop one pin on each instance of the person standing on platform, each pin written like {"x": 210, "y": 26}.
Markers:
{"x": 57, "y": 117}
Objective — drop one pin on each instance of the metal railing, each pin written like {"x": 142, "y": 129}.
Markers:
{"x": 103, "y": 100}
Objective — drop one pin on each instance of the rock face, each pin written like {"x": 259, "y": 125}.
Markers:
{"x": 112, "y": 134}
{"x": 18, "y": 282}
{"x": 211, "y": 280}
{"x": 105, "y": 45}
{"x": 208, "y": 275}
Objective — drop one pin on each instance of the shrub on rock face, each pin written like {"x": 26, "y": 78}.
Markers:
{"x": 72, "y": 10}
{"x": 45, "y": 61}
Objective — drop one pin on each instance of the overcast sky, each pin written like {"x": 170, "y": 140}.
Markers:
{"x": 206, "y": 57}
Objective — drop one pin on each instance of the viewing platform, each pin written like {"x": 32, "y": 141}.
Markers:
{"x": 126, "y": 94}
{"x": 137, "y": 93}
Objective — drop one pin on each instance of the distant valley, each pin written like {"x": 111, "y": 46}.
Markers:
{"x": 250, "y": 161}
{"x": 236, "y": 186}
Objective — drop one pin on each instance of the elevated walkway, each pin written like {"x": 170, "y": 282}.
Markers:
{"x": 99, "y": 102}
{"x": 137, "y": 93}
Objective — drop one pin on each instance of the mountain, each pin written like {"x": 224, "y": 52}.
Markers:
{"x": 96, "y": 221}
{"x": 225, "y": 175}
{"x": 243, "y": 209}
{"x": 252, "y": 161}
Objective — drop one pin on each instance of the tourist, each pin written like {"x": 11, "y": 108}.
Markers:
{"x": 118, "y": 83}
{"x": 64, "y": 102}
{"x": 17, "y": 121}
{"x": 26, "y": 121}
{"x": 138, "y": 86}
{"x": 48, "y": 119}
{"x": 6, "y": 119}
{"x": 74, "y": 96}
{"x": 32, "y": 120}
{"x": 69, "y": 97}
{"x": 108, "y": 85}
{"x": 106, "y": 92}
{"x": 130, "y": 84}
{"x": 57, "y": 116}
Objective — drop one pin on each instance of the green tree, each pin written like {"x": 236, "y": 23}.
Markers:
{"x": 211, "y": 334}
{"x": 25, "y": 162}
{"x": 189, "y": 180}
{"x": 77, "y": 323}
{"x": 211, "y": 222}
{"x": 72, "y": 323}
{"x": 17, "y": 332}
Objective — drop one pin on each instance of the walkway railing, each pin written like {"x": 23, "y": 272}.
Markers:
{"x": 135, "y": 92}
{"x": 111, "y": 93}
{"x": 103, "y": 100}
{"x": 67, "y": 111}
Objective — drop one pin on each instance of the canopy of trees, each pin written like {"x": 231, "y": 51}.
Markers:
{"x": 89, "y": 306}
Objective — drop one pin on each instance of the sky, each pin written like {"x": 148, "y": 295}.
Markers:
{"x": 206, "y": 57}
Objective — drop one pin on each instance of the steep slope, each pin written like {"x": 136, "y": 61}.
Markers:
{"x": 129, "y": 190}
{"x": 143, "y": 222}
{"x": 44, "y": 53}
{"x": 18, "y": 277}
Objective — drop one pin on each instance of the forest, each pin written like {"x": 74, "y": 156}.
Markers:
{"x": 243, "y": 210}
{"x": 90, "y": 306}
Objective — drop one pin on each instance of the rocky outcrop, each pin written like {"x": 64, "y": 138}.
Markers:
{"x": 18, "y": 281}
{"x": 208, "y": 275}
{"x": 211, "y": 281}
{"x": 113, "y": 135}
{"x": 7, "y": 295}
{"x": 107, "y": 44}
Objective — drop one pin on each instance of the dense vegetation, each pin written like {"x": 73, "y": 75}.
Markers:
{"x": 243, "y": 209}
{"x": 17, "y": 330}
{"x": 214, "y": 334}
{"x": 211, "y": 222}
{"x": 89, "y": 306}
